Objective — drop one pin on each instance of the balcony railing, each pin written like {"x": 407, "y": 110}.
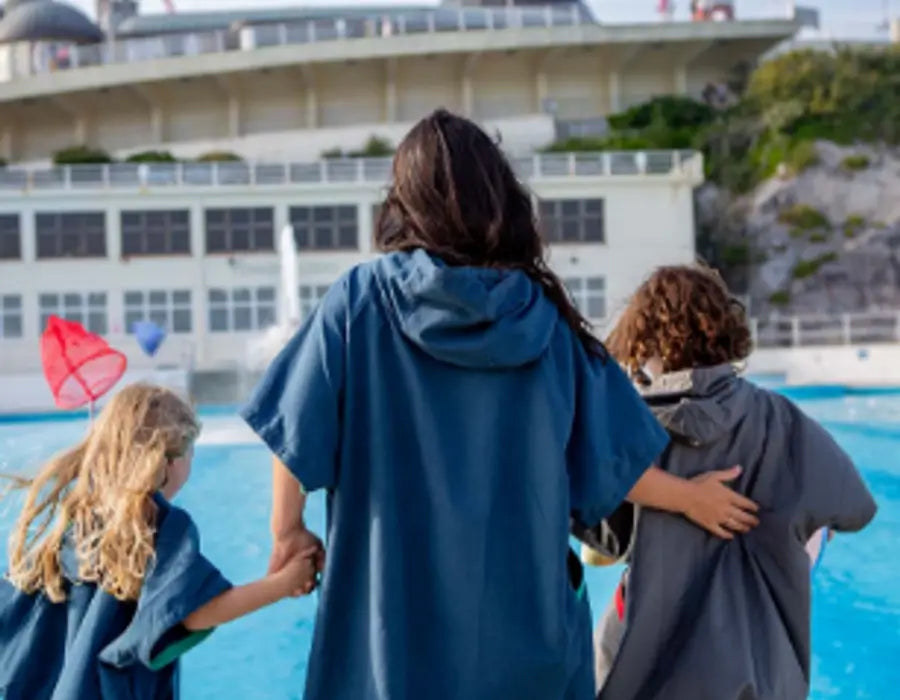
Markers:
{"x": 57, "y": 57}
{"x": 845, "y": 329}
{"x": 123, "y": 176}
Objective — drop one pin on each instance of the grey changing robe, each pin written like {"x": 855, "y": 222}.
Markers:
{"x": 708, "y": 619}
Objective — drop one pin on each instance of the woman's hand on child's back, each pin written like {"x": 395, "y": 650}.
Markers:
{"x": 717, "y": 508}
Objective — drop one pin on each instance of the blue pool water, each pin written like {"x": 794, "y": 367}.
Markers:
{"x": 856, "y": 606}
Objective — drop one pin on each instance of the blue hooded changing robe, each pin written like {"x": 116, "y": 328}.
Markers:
{"x": 95, "y": 647}
{"x": 456, "y": 422}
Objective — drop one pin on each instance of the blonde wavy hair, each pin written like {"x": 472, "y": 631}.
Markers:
{"x": 98, "y": 496}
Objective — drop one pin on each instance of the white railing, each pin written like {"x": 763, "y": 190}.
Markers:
{"x": 341, "y": 170}
{"x": 844, "y": 329}
{"x": 58, "y": 57}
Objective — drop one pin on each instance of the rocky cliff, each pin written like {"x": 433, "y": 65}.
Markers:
{"x": 826, "y": 240}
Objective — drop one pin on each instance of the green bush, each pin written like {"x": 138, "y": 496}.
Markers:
{"x": 676, "y": 112}
{"x": 855, "y": 163}
{"x": 151, "y": 157}
{"x": 854, "y": 224}
{"x": 797, "y": 233}
{"x": 808, "y": 268}
{"x": 802, "y": 216}
{"x": 219, "y": 157}
{"x": 802, "y": 155}
{"x": 376, "y": 147}
{"x": 81, "y": 155}
{"x": 3, "y": 162}
{"x": 736, "y": 255}
{"x": 819, "y": 237}
{"x": 780, "y": 298}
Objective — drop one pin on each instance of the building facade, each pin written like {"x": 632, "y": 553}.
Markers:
{"x": 194, "y": 249}
{"x": 192, "y": 245}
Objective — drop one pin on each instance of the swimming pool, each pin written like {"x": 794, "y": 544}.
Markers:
{"x": 856, "y": 628}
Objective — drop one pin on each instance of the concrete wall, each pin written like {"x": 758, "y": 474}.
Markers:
{"x": 851, "y": 365}
{"x": 29, "y": 393}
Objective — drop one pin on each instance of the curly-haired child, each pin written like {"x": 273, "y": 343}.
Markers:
{"x": 724, "y": 618}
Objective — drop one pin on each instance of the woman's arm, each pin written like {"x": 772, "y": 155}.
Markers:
{"x": 705, "y": 500}
{"x": 288, "y": 501}
{"x": 293, "y": 578}
{"x": 289, "y": 533}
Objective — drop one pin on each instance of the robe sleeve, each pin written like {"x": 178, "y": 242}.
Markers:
{"x": 834, "y": 494}
{"x": 296, "y": 409}
{"x": 615, "y": 439}
{"x": 179, "y": 581}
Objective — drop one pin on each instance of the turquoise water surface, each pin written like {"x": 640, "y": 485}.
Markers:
{"x": 856, "y": 631}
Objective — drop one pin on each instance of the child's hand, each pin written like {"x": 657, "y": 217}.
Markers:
{"x": 298, "y": 576}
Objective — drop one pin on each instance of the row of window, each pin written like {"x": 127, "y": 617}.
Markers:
{"x": 230, "y": 310}
{"x": 240, "y": 309}
{"x": 242, "y": 230}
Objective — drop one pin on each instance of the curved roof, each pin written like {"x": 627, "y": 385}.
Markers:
{"x": 46, "y": 20}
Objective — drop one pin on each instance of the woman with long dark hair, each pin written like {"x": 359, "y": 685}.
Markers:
{"x": 457, "y": 409}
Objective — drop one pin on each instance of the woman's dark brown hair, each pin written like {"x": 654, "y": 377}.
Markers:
{"x": 455, "y": 195}
{"x": 686, "y": 317}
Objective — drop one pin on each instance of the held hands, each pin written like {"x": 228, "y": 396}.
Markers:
{"x": 298, "y": 557}
{"x": 717, "y": 508}
{"x": 298, "y": 575}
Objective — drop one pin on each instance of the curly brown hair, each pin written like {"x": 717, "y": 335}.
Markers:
{"x": 685, "y": 316}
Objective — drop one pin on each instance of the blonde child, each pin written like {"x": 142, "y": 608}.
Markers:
{"x": 107, "y": 587}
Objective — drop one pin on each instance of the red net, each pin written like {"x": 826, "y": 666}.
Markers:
{"x": 80, "y": 367}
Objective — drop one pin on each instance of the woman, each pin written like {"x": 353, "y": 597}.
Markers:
{"x": 454, "y": 405}
{"x": 701, "y": 618}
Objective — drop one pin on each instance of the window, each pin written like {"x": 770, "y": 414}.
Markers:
{"x": 87, "y": 309}
{"x": 310, "y": 296}
{"x": 167, "y": 309}
{"x": 326, "y": 228}
{"x": 573, "y": 220}
{"x": 10, "y": 316}
{"x": 241, "y": 309}
{"x": 239, "y": 230}
{"x": 10, "y": 240}
{"x": 156, "y": 232}
{"x": 589, "y": 295}
{"x": 71, "y": 235}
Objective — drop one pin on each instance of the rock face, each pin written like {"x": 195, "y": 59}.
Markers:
{"x": 824, "y": 241}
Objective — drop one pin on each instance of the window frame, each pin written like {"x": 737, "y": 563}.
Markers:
{"x": 10, "y": 312}
{"x": 145, "y": 309}
{"x": 170, "y": 228}
{"x": 310, "y": 296}
{"x": 230, "y": 228}
{"x": 260, "y": 303}
{"x": 588, "y": 218}
{"x": 85, "y": 310}
{"x": 10, "y": 229}
{"x": 65, "y": 225}
{"x": 310, "y": 222}
{"x": 583, "y": 296}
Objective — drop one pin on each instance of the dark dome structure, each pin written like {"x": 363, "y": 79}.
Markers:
{"x": 46, "y": 20}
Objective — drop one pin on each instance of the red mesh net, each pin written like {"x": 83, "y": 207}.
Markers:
{"x": 80, "y": 367}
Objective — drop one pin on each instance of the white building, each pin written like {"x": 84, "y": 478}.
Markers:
{"x": 192, "y": 245}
